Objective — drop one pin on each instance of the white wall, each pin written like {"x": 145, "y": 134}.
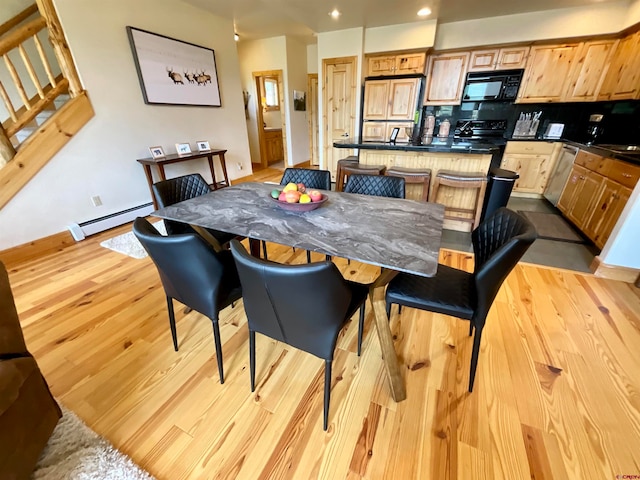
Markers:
{"x": 567, "y": 22}
{"x": 633, "y": 15}
{"x": 296, "y": 79}
{"x": 406, "y": 36}
{"x": 258, "y": 56}
{"x": 342, "y": 43}
{"x": 100, "y": 159}
{"x": 312, "y": 58}
{"x": 622, "y": 247}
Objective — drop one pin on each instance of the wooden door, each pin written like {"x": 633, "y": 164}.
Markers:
{"x": 547, "y": 73}
{"x": 384, "y": 65}
{"x": 374, "y": 131}
{"x": 571, "y": 188}
{"x": 586, "y": 195}
{"x": 410, "y": 63}
{"x": 403, "y": 98}
{"x": 533, "y": 171}
{"x": 512, "y": 57}
{"x": 482, "y": 60}
{"x": 314, "y": 120}
{"x": 622, "y": 81}
{"x": 338, "y": 93}
{"x": 376, "y": 99}
{"x": 446, "y": 74}
{"x": 620, "y": 199}
{"x": 588, "y": 70}
{"x": 601, "y": 208}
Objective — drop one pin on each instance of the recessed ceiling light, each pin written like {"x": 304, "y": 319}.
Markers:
{"x": 335, "y": 13}
{"x": 423, "y": 12}
{"x": 236, "y": 37}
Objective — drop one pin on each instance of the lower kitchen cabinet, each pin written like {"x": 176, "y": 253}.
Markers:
{"x": 533, "y": 161}
{"x": 579, "y": 195}
{"x": 273, "y": 147}
{"x": 606, "y": 211}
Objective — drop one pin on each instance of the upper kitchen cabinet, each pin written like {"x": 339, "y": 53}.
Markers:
{"x": 588, "y": 70}
{"x": 446, "y": 74}
{"x": 498, "y": 59}
{"x": 392, "y": 99}
{"x": 622, "y": 81}
{"x": 396, "y": 64}
{"x": 546, "y": 75}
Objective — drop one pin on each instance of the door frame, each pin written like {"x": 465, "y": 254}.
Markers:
{"x": 326, "y": 142}
{"x": 260, "y": 118}
{"x": 313, "y": 118}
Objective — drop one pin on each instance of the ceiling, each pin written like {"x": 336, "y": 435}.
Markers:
{"x": 303, "y": 19}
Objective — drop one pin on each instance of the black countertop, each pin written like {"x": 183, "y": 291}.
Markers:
{"x": 447, "y": 145}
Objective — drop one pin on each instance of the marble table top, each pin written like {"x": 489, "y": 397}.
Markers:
{"x": 402, "y": 235}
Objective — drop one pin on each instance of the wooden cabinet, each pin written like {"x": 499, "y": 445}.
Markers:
{"x": 547, "y": 72}
{"x": 396, "y": 64}
{"x": 533, "y": 161}
{"x": 393, "y": 99}
{"x": 273, "y": 145}
{"x": 498, "y": 59}
{"x": 594, "y": 198}
{"x": 589, "y": 70}
{"x": 622, "y": 80}
{"x": 381, "y": 131}
{"x": 446, "y": 74}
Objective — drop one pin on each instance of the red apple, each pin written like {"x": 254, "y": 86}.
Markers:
{"x": 282, "y": 196}
{"x": 292, "y": 196}
{"x": 301, "y": 187}
{"x": 315, "y": 195}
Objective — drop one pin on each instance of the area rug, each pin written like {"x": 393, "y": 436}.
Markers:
{"x": 551, "y": 226}
{"x": 75, "y": 452}
{"x": 128, "y": 244}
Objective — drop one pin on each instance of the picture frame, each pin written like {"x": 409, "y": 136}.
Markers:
{"x": 394, "y": 135}
{"x": 174, "y": 72}
{"x": 203, "y": 146}
{"x": 299, "y": 100}
{"x": 157, "y": 152}
{"x": 183, "y": 148}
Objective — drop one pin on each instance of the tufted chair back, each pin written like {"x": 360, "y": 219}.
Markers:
{"x": 378, "y": 185}
{"x": 320, "y": 179}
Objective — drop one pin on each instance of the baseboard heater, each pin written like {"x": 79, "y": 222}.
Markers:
{"x": 91, "y": 227}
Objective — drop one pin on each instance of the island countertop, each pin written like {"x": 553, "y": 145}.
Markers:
{"x": 447, "y": 145}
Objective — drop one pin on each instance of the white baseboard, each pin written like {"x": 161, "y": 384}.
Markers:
{"x": 115, "y": 220}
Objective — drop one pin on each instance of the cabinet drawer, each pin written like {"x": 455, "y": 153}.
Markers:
{"x": 591, "y": 161}
{"x": 532, "y": 148}
{"x": 622, "y": 172}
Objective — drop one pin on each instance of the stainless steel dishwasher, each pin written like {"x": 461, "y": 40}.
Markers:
{"x": 560, "y": 174}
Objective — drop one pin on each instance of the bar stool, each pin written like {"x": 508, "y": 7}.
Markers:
{"x": 358, "y": 169}
{"x": 350, "y": 160}
{"x": 477, "y": 180}
{"x": 413, "y": 176}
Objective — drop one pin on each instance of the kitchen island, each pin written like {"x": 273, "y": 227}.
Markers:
{"x": 446, "y": 154}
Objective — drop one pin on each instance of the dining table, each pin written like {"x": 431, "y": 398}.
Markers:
{"x": 397, "y": 235}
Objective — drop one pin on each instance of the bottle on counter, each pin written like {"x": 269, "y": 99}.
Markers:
{"x": 443, "y": 132}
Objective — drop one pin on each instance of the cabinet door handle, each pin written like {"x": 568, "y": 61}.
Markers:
{"x": 626, "y": 175}
{"x": 582, "y": 177}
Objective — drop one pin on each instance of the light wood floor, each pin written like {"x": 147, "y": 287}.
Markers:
{"x": 557, "y": 391}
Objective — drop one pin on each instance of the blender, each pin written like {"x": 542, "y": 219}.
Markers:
{"x": 594, "y": 128}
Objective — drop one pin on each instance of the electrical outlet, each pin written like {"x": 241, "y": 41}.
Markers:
{"x": 96, "y": 200}
{"x": 239, "y": 166}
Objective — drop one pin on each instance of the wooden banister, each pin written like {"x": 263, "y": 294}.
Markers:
{"x": 7, "y": 152}
{"x": 18, "y": 19}
{"x": 19, "y": 35}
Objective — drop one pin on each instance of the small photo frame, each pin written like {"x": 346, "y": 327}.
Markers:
{"x": 394, "y": 135}
{"x": 156, "y": 152}
{"x": 203, "y": 146}
{"x": 183, "y": 148}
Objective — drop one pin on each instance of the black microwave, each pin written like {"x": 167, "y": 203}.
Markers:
{"x": 495, "y": 86}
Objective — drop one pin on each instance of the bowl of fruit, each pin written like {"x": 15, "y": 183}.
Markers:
{"x": 296, "y": 198}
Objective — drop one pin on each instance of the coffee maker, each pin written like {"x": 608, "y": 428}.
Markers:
{"x": 594, "y": 128}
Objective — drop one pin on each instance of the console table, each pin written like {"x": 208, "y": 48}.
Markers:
{"x": 159, "y": 163}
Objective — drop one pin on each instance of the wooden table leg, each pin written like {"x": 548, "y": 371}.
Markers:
{"x": 161, "y": 170}
{"x": 223, "y": 164}
{"x": 210, "y": 239}
{"x": 213, "y": 173}
{"x": 254, "y": 247}
{"x": 389, "y": 356}
{"x": 147, "y": 173}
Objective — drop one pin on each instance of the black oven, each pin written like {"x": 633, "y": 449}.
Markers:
{"x": 494, "y": 86}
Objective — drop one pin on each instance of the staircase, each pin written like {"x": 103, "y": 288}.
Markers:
{"x": 44, "y": 101}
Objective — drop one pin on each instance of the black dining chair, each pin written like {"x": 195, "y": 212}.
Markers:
{"x": 499, "y": 242}
{"x": 378, "y": 185}
{"x": 312, "y": 179}
{"x": 193, "y": 273}
{"x": 178, "y": 189}
{"x": 304, "y": 306}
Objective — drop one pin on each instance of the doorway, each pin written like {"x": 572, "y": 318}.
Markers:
{"x": 339, "y": 107}
{"x": 314, "y": 120}
{"x": 270, "y": 118}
